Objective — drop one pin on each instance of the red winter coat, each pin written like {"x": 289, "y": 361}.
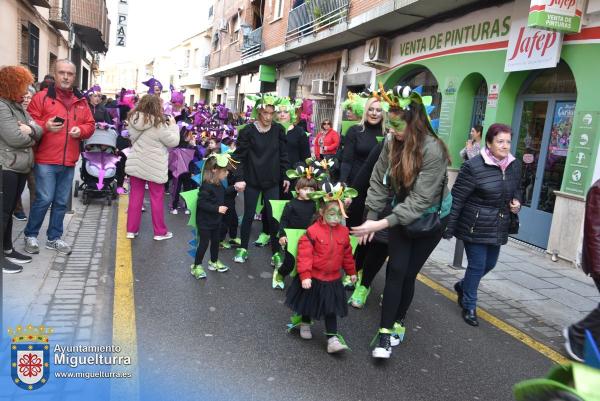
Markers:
{"x": 323, "y": 251}
{"x": 331, "y": 143}
{"x": 591, "y": 233}
{"x": 59, "y": 147}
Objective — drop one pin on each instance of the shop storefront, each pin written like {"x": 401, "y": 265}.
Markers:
{"x": 487, "y": 67}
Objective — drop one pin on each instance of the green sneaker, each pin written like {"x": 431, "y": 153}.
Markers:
{"x": 398, "y": 331}
{"x": 235, "y": 242}
{"x": 197, "y": 271}
{"x": 359, "y": 296}
{"x": 276, "y": 260}
{"x": 277, "y": 283}
{"x": 347, "y": 283}
{"x": 224, "y": 245}
{"x": 263, "y": 240}
{"x": 218, "y": 266}
{"x": 241, "y": 255}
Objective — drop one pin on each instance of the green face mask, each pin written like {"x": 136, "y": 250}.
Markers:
{"x": 333, "y": 215}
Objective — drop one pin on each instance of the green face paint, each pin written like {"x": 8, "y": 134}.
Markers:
{"x": 397, "y": 124}
{"x": 333, "y": 215}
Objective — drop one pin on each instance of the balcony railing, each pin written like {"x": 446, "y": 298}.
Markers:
{"x": 252, "y": 43}
{"x": 315, "y": 15}
{"x": 60, "y": 17}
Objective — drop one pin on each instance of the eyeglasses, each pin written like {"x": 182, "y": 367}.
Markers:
{"x": 324, "y": 124}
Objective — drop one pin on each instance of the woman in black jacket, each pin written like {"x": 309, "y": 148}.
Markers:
{"x": 485, "y": 199}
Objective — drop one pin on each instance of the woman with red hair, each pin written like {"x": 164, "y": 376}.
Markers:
{"x": 18, "y": 134}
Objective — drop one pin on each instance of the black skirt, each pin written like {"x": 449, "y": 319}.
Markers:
{"x": 323, "y": 298}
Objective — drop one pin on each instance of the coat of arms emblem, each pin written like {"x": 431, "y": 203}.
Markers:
{"x": 30, "y": 356}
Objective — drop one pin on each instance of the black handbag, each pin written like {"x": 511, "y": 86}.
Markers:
{"x": 513, "y": 224}
{"x": 428, "y": 224}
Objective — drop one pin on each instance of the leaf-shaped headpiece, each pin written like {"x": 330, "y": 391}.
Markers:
{"x": 334, "y": 193}
{"x": 404, "y": 97}
{"x": 223, "y": 160}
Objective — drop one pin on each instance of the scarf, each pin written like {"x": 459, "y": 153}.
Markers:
{"x": 503, "y": 164}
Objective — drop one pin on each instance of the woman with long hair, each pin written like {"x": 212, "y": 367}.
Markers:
{"x": 151, "y": 135}
{"x": 18, "y": 134}
{"x": 486, "y": 197}
{"x": 359, "y": 141}
{"x": 412, "y": 165}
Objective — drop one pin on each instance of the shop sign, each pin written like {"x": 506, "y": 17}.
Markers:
{"x": 122, "y": 23}
{"x": 557, "y": 15}
{"x": 531, "y": 49}
{"x": 208, "y": 83}
{"x": 266, "y": 73}
{"x": 579, "y": 166}
{"x": 492, "y": 97}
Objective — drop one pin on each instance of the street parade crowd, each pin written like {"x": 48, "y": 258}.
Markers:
{"x": 333, "y": 208}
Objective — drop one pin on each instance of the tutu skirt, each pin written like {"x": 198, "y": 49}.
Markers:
{"x": 323, "y": 298}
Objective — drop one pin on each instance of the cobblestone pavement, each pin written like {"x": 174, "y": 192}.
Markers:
{"x": 526, "y": 289}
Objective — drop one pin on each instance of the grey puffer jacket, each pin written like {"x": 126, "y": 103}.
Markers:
{"x": 150, "y": 145}
{"x": 16, "y": 153}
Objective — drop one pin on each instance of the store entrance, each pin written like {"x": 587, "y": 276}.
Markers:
{"x": 542, "y": 130}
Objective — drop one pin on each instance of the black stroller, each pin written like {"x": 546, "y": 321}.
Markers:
{"x": 98, "y": 167}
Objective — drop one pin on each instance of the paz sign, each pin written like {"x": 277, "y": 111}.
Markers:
{"x": 557, "y": 15}
{"x": 122, "y": 23}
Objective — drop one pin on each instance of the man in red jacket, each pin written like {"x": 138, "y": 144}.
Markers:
{"x": 66, "y": 118}
{"x": 590, "y": 262}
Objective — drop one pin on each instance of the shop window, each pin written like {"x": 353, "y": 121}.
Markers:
{"x": 479, "y": 104}
{"x": 423, "y": 77}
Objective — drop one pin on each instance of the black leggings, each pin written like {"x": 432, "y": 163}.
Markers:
{"x": 250, "y": 200}
{"x": 183, "y": 183}
{"x": 330, "y": 324}
{"x": 375, "y": 255}
{"x": 206, "y": 236}
{"x": 12, "y": 187}
{"x": 120, "y": 174}
{"x": 230, "y": 220}
{"x": 407, "y": 257}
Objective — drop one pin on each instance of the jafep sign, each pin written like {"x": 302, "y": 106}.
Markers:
{"x": 556, "y": 15}
{"x": 122, "y": 24}
{"x": 531, "y": 49}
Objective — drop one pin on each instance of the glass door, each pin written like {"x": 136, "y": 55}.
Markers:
{"x": 541, "y": 144}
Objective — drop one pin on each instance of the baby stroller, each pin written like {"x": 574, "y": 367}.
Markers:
{"x": 98, "y": 167}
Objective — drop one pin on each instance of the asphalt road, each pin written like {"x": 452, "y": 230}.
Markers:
{"x": 224, "y": 338}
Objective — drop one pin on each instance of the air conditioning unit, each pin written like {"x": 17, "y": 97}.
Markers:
{"x": 322, "y": 87}
{"x": 377, "y": 52}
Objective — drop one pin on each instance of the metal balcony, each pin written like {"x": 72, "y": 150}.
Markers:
{"x": 40, "y": 3}
{"x": 252, "y": 43}
{"x": 60, "y": 17}
{"x": 314, "y": 16}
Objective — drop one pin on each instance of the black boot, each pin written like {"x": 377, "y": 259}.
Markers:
{"x": 459, "y": 293}
{"x": 470, "y": 317}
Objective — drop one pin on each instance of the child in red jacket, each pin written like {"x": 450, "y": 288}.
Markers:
{"x": 322, "y": 252}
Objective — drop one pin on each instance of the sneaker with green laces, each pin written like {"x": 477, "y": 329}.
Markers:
{"x": 198, "y": 271}
{"x": 241, "y": 255}
{"x": 347, "y": 283}
{"x": 276, "y": 260}
{"x": 277, "y": 283}
{"x": 217, "y": 266}
{"x": 235, "y": 242}
{"x": 224, "y": 245}
{"x": 398, "y": 331}
{"x": 359, "y": 296}
{"x": 263, "y": 240}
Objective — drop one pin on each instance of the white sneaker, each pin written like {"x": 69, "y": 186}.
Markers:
{"x": 143, "y": 208}
{"x": 168, "y": 235}
{"x": 173, "y": 211}
{"x": 305, "y": 332}
{"x": 334, "y": 345}
{"x": 187, "y": 211}
{"x": 131, "y": 235}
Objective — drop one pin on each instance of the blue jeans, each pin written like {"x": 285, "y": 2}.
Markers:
{"x": 482, "y": 258}
{"x": 53, "y": 186}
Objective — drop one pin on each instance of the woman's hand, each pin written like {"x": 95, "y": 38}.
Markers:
{"x": 222, "y": 209}
{"x": 367, "y": 229}
{"x": 24, "y": 129}
{"x": 283, "y": 241}
{"x": 515, "y": 206}
{"x": 306, "y": 283}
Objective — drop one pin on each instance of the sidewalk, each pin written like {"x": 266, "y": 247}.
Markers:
{"x": 525, "y": 289}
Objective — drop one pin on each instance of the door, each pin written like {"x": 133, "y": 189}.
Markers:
{"x": 541, "y": 144}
